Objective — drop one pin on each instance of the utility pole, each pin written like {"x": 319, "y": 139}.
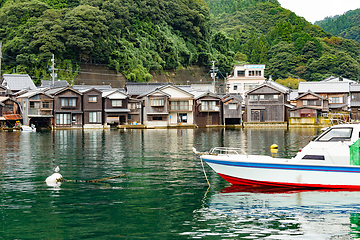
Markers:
{"x": 213, "y": 71}
{"x": 53, "y": 70}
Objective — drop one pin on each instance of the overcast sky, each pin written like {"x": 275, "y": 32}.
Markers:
{"x": 314, "y": 10}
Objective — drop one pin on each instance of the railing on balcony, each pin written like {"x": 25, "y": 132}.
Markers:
{"x": 176, "y": 108}
{"x": 39, "y": 112}
{"x": 211, "y": 108}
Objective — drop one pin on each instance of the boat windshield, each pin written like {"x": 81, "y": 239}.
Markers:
{"x": 335, "y": 134}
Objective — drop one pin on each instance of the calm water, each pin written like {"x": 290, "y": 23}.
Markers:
{"x": 164, "y": 194}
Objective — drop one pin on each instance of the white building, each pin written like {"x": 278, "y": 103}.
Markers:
{"x": 245, "y": 77}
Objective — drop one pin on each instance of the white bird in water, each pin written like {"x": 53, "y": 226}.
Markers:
{"x": 55, "y": 177}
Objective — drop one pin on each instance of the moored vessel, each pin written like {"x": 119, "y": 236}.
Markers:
{"x": 332, "y": 160}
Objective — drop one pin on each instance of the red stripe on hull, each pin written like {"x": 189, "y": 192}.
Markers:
{"x": 255, "y": 183}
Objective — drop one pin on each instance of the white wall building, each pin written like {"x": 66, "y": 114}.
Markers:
{"x": 245, "y": 78}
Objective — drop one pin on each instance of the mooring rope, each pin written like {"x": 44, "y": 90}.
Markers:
{"x": 91, "y": 181}
{"x": 205, "y": 172}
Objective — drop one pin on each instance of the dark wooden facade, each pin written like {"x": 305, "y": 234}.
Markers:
{"x": 115, "y": 105}
{"x": 156, "y": 108}
{"x": 232, "y": 109}
{"x": 208, "y": 110}
{"x": 92, "y": 107}
{"x": 266, "y": 103}
{"x": 134, "y": 116}
{"x": 310, "y": 104}
{"x": 355, "y": 102}
{"x": 68, "y": 108}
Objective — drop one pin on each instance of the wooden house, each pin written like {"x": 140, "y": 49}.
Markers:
{"x": 309, "y": 108}
{"x": 155, "y": 108}
{"x": 37, "y": 108}
{"x": 208, "y": 110}
{"x": 135, "y": 114}
{"x": 68, "y": 111}
{"x": 267, "y": 103}
{"x": 180, "y": 105}
{"x": 336, "y": 93}
{"x": 92, "y": 108}
{"x": 232, "y": 109}
{"x": 355, "y": 101}
{"x": 9, "y": 112}
{"x": 115, "y": 105}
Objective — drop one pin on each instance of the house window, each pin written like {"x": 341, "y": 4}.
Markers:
{"x": 132, "y": 106}
{"x": 255, "y": 73}
{"x": 335, "y": 100}
{"x": 34, "y": 104}
{"x": 235, "y": 87}
{"x": 241, "y": 73}
{"x": 269, "y": 97}
{"x": 94, "y": 117}
{"x": 116, "y": 103}
{"x": 157, "y": 118}
{"x": 179, "y": 105}
{"x": 248, "y": 86}
{"x": 46, "y": 105}
{"x": 156, "y": 102}
{"x": 68, "y": 102}
{"x": 232, "y": 105}
{"x": 311, "y": 102}
{"x": 63, "y": 119}
{"x": 92, "y": 98}
{"x": 208, "y": 105}
{"x": 253, "y": 97}
{"x": 353, "y": 97}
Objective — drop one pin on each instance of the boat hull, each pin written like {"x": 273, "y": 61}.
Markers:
{"x": 283, "y": 174}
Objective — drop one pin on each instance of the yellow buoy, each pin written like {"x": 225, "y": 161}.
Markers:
{"x": 274, "y": 148}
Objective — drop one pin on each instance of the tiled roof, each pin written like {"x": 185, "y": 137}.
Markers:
{"x": 16, "y": 82}
{"x": 137, "y": 89}
{"x": 293, "y": 95}
{"x": 59, "y": 83}
{"x": 29, "y": 93}
{"x": 355, "y": 88}
{"x": 52, "y": 91}
{"x": 87, "y": 87}
{"x": 324, "y": 87}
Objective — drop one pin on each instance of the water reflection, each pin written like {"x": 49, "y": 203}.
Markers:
{"x": 257, "y": 213}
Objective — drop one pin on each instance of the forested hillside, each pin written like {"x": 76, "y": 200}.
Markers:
{"x": 261, "y": 31}
{"x": 136, "y": 36}
{"x": 131, "y": 36}
{"x": 346, "y": 25}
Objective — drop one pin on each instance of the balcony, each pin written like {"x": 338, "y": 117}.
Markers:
{"x": 209, "y": 108}
{"x": 39, "y": 112}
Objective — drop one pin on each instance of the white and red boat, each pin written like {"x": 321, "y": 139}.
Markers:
{"x": 332, "y": 160}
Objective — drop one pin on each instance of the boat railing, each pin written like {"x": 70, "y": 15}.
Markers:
{"x": 227, "y": 151}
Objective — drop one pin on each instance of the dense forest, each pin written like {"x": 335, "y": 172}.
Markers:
{"x": 346, "y": 25}
{"x": 131, "y": 36}
{"x": 136, "y": 36}
{"x": 261, "y": 31}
